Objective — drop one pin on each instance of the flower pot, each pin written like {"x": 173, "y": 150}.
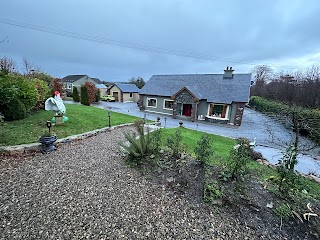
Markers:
{"x": 47, "y": 143}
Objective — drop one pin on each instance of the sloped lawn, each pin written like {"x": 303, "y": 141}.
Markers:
{"x": 81, "y": 119}
{"x": 247, "y": 199}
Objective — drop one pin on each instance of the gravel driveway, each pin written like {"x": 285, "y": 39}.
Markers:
{"x": 85, "y": 191}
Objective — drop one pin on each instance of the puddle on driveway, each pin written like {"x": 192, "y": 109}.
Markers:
{"x": 306, "y": 163}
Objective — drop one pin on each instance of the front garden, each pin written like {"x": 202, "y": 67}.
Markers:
{"x": 210, "y": 170}
{"x": 81, "y": 119}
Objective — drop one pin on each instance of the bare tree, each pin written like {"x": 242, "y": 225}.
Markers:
{"x": 262, "y": 74}
{"x": 7, "y": 65}
{"x": 27, "y": 66}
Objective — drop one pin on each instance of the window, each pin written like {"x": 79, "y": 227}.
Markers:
{"x": 131, "y": 94}
{"x": 69, "y": 86}
{"x": 152, "y": 102}
{"x": 168, "y": 104}
{"x": 217, "y": 110}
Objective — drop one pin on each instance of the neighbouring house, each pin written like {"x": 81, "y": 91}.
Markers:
{"x": 125, "y": 92}
{"x": 103, "y": 89}
{"x": 217, "y": 98}
{"x": 71, "y": 81}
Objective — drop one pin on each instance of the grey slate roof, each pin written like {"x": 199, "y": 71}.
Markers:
{"x": 128, "y": 88}
{"x": 212, "y": 87}
{"x": 72, "y": 78}
{"x": 97, "y": 80}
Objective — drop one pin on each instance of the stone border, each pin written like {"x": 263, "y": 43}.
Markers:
{"x": 35, "y": 147}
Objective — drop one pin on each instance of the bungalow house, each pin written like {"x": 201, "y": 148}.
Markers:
{"x": 71, "y": 81}
{"x": 217, "y": 98}
{"x": 125, "y": 92}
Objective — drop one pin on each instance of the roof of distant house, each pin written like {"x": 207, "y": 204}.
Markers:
{"x": 101, "y": 86}
{"x": 97, "y": 80}
{"x": 127, "y": 88}
{"x": 72, "y": 78}
{"x": 212, "y": 87}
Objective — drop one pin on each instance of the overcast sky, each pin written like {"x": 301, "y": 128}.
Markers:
{"x": 238, "y": 33}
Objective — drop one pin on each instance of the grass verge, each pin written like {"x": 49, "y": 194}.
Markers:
{"x": 81, "y": 119}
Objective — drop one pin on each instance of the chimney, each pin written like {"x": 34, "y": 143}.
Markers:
{"x": 228, "y": 73}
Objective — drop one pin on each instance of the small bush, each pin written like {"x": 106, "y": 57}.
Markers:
{"x": 203, "y": 150}
{"x": 239, "y": 158}
{"x": 84, "y": 96}
{"x": 44, "y": 92}
{"x": 287, "y": 179}
{"x": 139, "y": 145}
{"x": 283, "y": 211}
{"x": 75, "y": 94}
{"x": 98, "y": 95}
{"x": 57, "y": 85}
{"x": 175, "y": 143}
{"x": 211, "y": 192}
{"x": 14, "y": 110}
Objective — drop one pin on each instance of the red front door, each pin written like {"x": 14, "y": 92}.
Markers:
{"x": 186, "y": 110}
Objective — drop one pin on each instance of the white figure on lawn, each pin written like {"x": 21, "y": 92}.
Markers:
{"x": 55, "y": 104}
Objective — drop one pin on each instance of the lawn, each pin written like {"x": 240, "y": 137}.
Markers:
{"x": 81, "y": 119}
{"x": 222, "y": 146}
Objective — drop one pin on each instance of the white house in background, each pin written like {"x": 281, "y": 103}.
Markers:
{"x": 103, "y": 89}
{"x": 71, "y": 81}
{"x": 125, "y": 92}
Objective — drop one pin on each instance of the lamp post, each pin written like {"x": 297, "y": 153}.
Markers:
{"x": 109, "y": 114}
{"x": 144, "y": 118}
{"x": 49, "y": 125}
{"x": 165, "y": 122}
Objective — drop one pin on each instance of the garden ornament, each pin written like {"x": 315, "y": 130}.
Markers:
{"x": 55, "y": 104}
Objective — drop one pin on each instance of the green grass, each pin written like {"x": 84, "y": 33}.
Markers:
{"x": 81, "y": 119}
{"x": 221, "y": 145}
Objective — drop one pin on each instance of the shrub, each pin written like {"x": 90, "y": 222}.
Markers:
{"x": 98, "y": 95}
{"x": 139, "y": 145}
{"x": 283, "y": 211}
{"x": 57, "y": 85}
{"x": 8, "y": 91}
{"x": 44, "y": 92}
{"x": 84, "y": 96}
{"x": 14, "y": 110}
{"x": 174, "y": 142}
{"x": 211, "y": 192}
{"x": 75, "y": 94}
{"x": 239, "y": 158}
{"x": 27, "y": 92}
{"x": 286, "y": 177}
{"x": 91, "y": 90}
{"x": 203, "y": 150}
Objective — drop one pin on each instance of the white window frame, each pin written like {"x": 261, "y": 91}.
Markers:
{"x": 227, "y": 112}
{"x": 131, "y": 94}
{"x": 69, "y": 86}
{"x": 151, "y": 99}
{"x": 164, "y": 104}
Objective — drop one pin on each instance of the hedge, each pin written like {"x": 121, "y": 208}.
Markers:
{"x": 311, "y": 117}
